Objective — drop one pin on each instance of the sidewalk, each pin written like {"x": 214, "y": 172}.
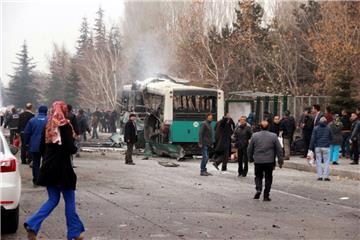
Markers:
{"x": 344, "y": 169}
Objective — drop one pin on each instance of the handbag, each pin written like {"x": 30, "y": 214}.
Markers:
{"x": 16, "y": 141}
{"x": 310, "y": 158}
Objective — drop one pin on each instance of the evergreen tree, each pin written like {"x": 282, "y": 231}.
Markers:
{"x": 3, "y": 98}
{"x": 84, "y": 42}
{"x": 21, "y": 88}
{"x": 341, "y": 90}
{"x": 72, "y": 87}
{"x": 59, "y": 70}
{"x": 100, "y": 31}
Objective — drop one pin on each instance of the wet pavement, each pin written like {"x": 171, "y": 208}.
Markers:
{"x": 150, "y": 201}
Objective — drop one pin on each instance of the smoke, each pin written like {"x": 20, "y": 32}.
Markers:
{"x": 148, "y": 27}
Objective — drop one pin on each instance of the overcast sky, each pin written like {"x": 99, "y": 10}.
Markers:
{"x": 42, "y": 22}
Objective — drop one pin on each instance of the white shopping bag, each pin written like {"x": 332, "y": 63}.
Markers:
{"x": 281, "y": 141}
{"x": 310, "y": 158}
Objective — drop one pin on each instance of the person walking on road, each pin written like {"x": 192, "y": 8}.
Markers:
{"x": 57, "y": 174}
{"x": 83, "y": 125}
{"x": 224, "y": 131}
{"x": 130, "y": 137}
{"x": 95, "y": 125}
{"x": 355, "y": 138}
{"x": 32, "y": 134}
{"x": 205, "y": 142}
{"x": 307, "y": 126}
{"x": 335, "y": 127}
{"x": 321, "y": 139}
{"x": 24, "y": 118}
{"x": 12, "y": 122}
{"x": 242, "y": 136}
{"x": 262, "y": 150}
{"x": 287, "y": 127}
{"x": 275, "y": 125}
{"x": 346, "y": 133}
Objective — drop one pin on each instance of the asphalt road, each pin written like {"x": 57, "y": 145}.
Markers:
{"x": 149, "y": 201}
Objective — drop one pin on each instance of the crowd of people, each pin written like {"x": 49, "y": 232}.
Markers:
{"x": 326, "y": 136}
{"x": 51, "y": 138}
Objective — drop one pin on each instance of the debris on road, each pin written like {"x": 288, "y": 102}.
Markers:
{"x": 168, "y": 164}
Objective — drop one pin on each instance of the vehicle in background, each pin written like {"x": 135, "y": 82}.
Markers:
{"x": 10, "y": 187}
{"x": 172, "y": 112}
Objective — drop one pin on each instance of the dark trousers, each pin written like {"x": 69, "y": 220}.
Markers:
{"x": 307, "y": 139}
{"x": 261, "y": 170}
{"x": 222, "y": 157}
{"x": 12, "y": 136}
{"x": 345, "y": 145}
{"x": 242, "y": 161}
{"x": 355, "y": 151}
{"x": 129, "y": 152}
{"x": 24, "y": 155}
{"x": 36, "y": 159}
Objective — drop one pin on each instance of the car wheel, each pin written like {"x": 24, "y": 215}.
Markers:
{"x": 10, "y": 222}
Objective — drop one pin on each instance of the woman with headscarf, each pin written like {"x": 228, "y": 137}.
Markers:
{"x": 57, "y": 174}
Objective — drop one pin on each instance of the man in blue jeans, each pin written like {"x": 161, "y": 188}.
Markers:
{"x": 320, "y": 144}
{"x": 205, "y": 141}
{"x": 33, "y": 132}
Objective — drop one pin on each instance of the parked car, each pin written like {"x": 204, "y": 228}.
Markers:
{"x": 10, "y": 187}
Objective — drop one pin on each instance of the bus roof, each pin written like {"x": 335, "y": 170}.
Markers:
{"x": 163, "y": 86}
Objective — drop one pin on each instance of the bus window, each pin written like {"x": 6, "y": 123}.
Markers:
{"x": 195, "y": 104}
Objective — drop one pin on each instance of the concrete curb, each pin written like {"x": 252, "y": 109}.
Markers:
{"x": 333, "y": 172}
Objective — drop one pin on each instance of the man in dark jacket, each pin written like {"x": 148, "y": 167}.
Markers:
{"x": 242, "y": 136}
{"x": 263, "y": 148}
{"x": 275, "y": 125}
{"x": 24, "y": 118}
{"x": 346, "y": 133}
{"x": 12, "y": 122}
{"x": 130, "y": 137}
{"x": 320, "y": 144}
{"x": 288, "y": 127}
{"x": 355, "y": 138}
{"x": 317, "y": 114}
{"x": 224, "y": 130}
{"x": 73, "y": 120}
{"x": 307, "y": 127}
{"x": 32, "y": 134}
{"x": 83, "y": 125}
{"x": 205, "y": 141}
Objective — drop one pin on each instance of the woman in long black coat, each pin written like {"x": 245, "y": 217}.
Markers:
{"x": 57, "y": 174}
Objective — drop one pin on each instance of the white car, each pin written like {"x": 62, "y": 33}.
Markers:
{"x": 10, "y": 187}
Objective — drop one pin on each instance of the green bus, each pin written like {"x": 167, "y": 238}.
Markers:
{"x": 173, "y": 110}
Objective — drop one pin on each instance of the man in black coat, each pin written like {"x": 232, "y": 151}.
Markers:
{"x": 24, "y": 118}
{"x": 307, "y": 127}
{"x": 130, "y": 137}
{"x": 242, "y": 135}
{"x": 224, "y": 130}
{"x": 275, "y": 125}
{"x": 288, "y": 127}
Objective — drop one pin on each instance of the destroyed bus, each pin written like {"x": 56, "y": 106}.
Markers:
{"x": 171, "y": 112}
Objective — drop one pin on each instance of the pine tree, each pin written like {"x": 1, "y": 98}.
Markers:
{"x": 72, "y": 87}
{"x": 21, "y": 88}
{"x": 100, "y": 31}
{"x": 84, "y": 42}
{"x": 59, "y": 70}
{"x": 341, "y": 90}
